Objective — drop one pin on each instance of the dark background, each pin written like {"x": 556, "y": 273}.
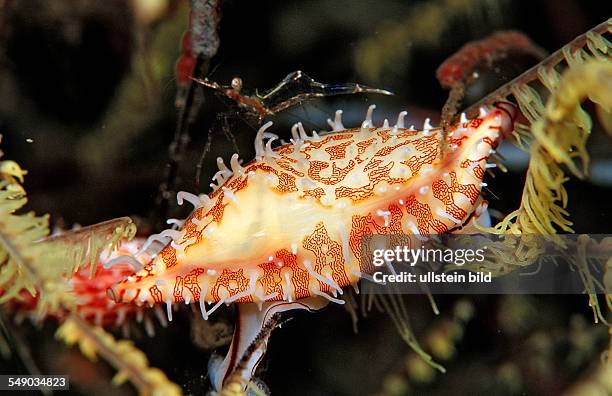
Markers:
{"x": 87, "y": 107}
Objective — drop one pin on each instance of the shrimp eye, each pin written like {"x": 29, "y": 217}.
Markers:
{"x": 237, "y": 83}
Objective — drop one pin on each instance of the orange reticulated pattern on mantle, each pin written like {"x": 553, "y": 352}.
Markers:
{"x": 290, "y": 224}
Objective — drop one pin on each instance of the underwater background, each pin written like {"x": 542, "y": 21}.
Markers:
{"x": 87, "y": 106}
